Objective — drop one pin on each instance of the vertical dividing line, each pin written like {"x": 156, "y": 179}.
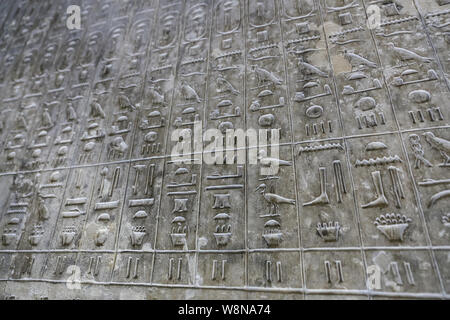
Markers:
{"x": 345, "y": 142}
{"x": 290, "y": 116}
{"x": 244, "y": 22}
{"x": 441, "y": 67}
{"x": 409, "y": 168}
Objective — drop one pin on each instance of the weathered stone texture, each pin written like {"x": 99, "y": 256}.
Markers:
{"x": 93, "y": 206}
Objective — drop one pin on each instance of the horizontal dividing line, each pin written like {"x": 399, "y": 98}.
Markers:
{"x": 424, "y": 129}
{"x": 246, "y": 288}
{"x": 165, "y": 157}
{"x": 57, "y": 251}
{"x": 303, "y": 290}
{"x": 408, "y": 295}
{"x": 249, "y": 250}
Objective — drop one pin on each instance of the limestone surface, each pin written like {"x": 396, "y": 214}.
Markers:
{"x": 224, "y": 149}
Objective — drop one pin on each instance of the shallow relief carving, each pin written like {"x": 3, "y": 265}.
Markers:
{"x": 327, "y": 214}
{"x": 435, "y": 14}
{"x": 74, "y": 208}
{"x": 310, "y": 83}
{"x": 103, "y": 218}
{"x": 272, "y": 211}
{"x": 429, "y": 153}
{"x": 141, "y": 207}
{"x": 90, "y": 191}
{"x": 388, "y": 210}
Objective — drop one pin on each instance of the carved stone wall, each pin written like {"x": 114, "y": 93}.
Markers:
{"x": 92, "y": 204}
